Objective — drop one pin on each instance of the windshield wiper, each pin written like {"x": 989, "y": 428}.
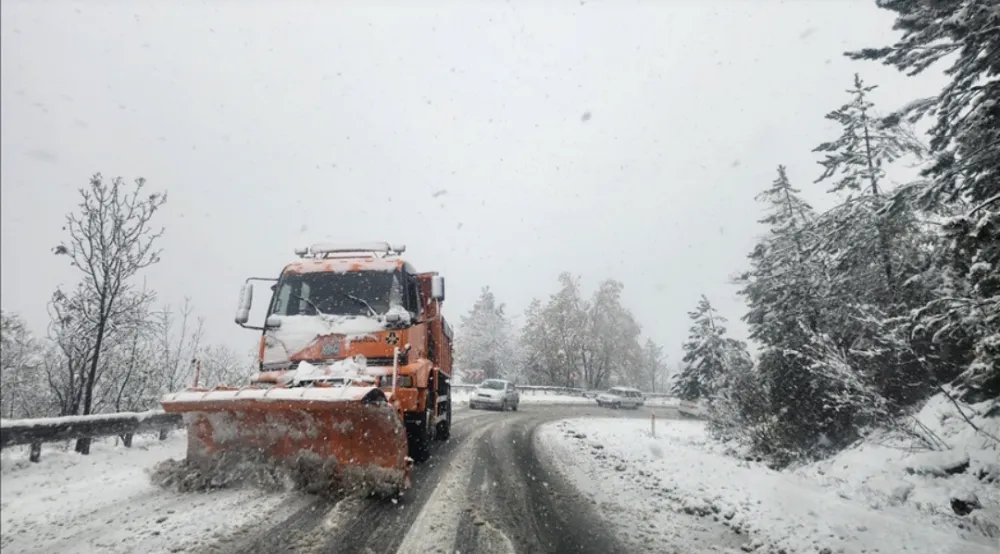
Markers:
{"x": 363, "y": 302}
{"x": 307, "y": 301}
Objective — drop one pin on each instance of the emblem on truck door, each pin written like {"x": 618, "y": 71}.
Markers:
{"x": 392, "y": 339}
{"x": 330, "y": 349}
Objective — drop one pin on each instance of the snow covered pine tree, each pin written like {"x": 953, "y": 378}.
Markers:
{"x": 964, "y": 180}
{"x": 709, "y": 355}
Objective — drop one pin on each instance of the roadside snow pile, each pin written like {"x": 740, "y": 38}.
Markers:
{"x": 642, "y": 481}
{"x": 957, "y": 484}
{"x": 60, "y": 457}
{"x": 105, "y": 502}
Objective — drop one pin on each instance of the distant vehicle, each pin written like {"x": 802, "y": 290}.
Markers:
{"x": 621, "y": 397}
{"x": 495, "y": 393}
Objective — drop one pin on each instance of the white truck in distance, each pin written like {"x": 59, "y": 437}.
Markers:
{"x": 621, "y": 397}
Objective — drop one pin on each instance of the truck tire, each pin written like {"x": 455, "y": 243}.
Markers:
{"x": 420, "y": 434}
{"x": 418, "y": 437}
{"x": 444, "y": 427}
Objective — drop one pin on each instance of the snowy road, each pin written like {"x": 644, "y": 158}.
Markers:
{"x": 487, "y": 490}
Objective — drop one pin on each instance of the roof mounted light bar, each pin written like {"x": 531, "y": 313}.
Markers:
{"x": 330, "y": 250}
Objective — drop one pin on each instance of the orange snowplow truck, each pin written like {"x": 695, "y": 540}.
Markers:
{"x": 355, "y": 369}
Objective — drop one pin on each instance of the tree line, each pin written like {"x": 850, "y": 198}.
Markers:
{"x": 108, "y": 347}
{"x": 864, "y": 310}
{"x": 567, "y": 341}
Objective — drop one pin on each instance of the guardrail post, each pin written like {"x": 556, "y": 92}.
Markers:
{"x": 127, "y": 440}
{"x": 652, "y": 424}
{"x": 36, "y": 452}
{"x": 163, "y": 434}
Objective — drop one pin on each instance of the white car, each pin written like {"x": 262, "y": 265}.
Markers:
{"x": 495, "y": 393}
{"x": 621, "y": 397}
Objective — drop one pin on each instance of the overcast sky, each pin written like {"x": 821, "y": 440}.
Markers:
{"x": 502, "y": 143}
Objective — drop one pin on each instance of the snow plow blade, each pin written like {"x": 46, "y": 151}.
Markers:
{"x": 347, "y": 436}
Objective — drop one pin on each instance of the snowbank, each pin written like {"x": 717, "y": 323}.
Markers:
{"x": 644, "y": 481}
{"x": 105, "y": 502}
{"x": 894, "y": 473}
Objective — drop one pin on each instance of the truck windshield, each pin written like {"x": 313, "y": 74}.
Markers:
{"x": 332, "y": 293}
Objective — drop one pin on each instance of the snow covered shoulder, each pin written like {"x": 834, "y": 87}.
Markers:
{"x": 645, "y": 483}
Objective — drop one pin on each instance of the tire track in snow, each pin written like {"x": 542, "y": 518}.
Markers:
{"x": 351, "y": 524}
{"x": 473, "y": 527}
{"x": 520, "y": 505}
{"x": 305, "y": 514}
{"x": 384, "y": 527}
{"x": 435, "y": 528}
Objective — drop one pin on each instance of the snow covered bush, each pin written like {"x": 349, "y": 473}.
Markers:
{"x": 739, "y": 411}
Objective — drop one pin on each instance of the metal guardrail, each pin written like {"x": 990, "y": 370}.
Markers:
{"x": 51, "y": 429}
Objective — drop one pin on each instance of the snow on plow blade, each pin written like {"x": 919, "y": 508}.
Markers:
{"x": 348, "y": 434}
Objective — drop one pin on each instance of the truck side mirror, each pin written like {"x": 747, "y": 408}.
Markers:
{"x": 437, "y": 288}
{"x": 246, "y": 299}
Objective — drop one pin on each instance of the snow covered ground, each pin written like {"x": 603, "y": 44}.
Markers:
{"x": 887, "y": 472}
{"x": 105, "y": 501}
{"x": 643, "y": 482}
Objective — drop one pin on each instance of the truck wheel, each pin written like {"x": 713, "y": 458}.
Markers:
{"x": 418, "y": 436}
{"x": 421, "y": 434}
{"x": 444, "y": 427}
